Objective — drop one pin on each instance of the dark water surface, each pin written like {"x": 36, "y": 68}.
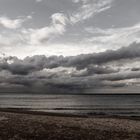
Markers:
{"x": 125, "y": 105}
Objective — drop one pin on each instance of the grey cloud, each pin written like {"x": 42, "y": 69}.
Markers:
{"x": 135, "y": 69}
{"x": 83, "y": 60}
{"x": 93, "y": 70}
{"x": 89, "y": 71}
{"x": 23, "y": 67}
{"x": 120, "y": 76}
{"x": 36, "y": 63}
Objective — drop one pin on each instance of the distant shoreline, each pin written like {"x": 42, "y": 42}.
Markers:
{"x": 93, "y": 115}
{"x": 36, "y": 93}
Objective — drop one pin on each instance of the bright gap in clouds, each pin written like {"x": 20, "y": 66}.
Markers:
{"x": 62, "y": 27}
{"x": 20, "y": 40}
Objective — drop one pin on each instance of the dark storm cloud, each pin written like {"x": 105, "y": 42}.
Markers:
{"x": 82, "y": 61}
{"x": 93, "y": 70}
{"x": 120, "y": 76}
{"x": 66, "y": 83}
{"x": 62, "y": 84}
{"x": 135, "y": 69}
{"x": 23, "y": 67}
{"x": 90, "y": 61}
{"x": 36, "y": 63}
{"x": 90, "y": 71}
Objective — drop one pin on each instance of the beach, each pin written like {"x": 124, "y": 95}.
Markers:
{"x": 24, "y": 125}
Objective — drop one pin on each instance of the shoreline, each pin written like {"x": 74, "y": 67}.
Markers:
{"x": 36, "y": 93}
{"x": 93, "y": 115}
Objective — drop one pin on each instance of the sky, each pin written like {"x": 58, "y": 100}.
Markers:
{"x": 70, "y": 46}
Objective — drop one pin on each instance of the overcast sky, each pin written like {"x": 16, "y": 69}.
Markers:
{"x": 41, "y": 42}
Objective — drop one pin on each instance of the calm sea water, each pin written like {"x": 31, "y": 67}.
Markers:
{"x": 127, "y": 105}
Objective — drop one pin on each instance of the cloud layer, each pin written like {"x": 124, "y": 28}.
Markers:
{"x": 74, "y": 73}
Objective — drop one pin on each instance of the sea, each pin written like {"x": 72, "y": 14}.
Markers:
{"x": 80, "y": 104}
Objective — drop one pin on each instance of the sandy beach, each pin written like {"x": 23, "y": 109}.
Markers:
{"x": 34, "y": 126}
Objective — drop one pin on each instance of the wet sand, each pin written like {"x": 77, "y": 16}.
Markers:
{"x": 33, "y": 126}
